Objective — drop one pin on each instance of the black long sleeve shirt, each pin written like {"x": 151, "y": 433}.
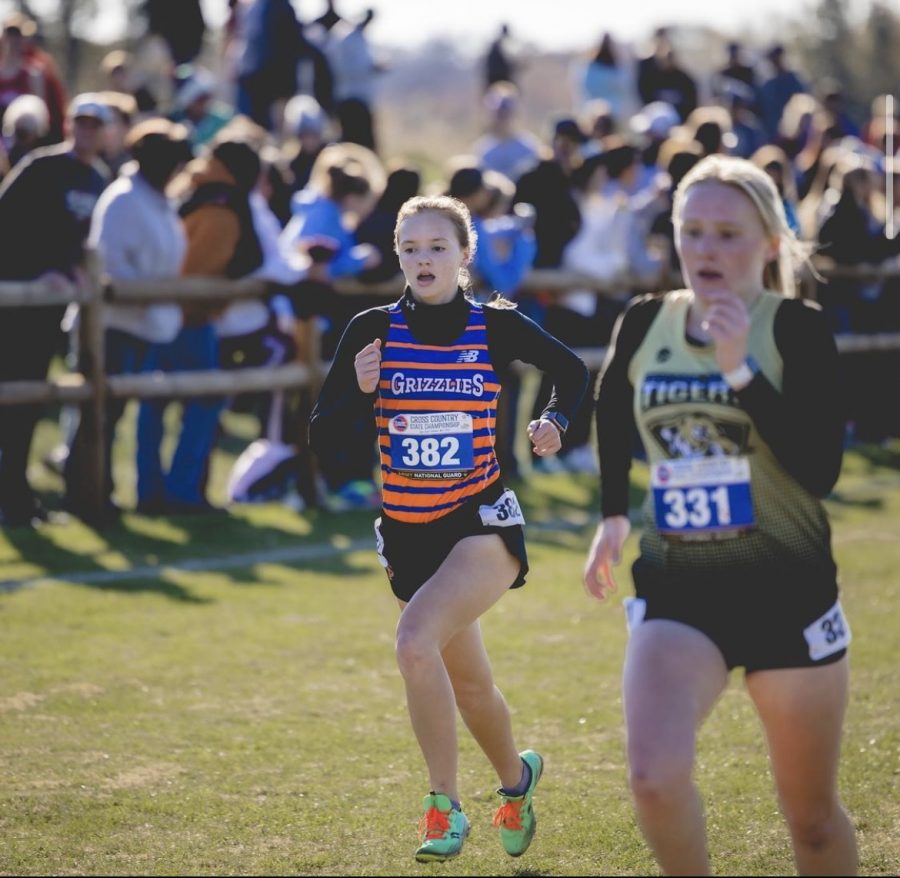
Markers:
{"x": 511, "y": 336}
{"x": 802, "y": 423}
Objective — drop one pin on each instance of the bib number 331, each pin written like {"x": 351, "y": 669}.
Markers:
{"x": 702, "y": 495}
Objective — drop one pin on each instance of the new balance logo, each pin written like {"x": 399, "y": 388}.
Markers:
{"x": 467, "y": 357}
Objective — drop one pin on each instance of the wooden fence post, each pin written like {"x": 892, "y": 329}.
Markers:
{"x": 93, "y": 413}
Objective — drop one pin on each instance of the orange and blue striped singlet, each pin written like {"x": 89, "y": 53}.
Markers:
{"x": 437, "y": 418}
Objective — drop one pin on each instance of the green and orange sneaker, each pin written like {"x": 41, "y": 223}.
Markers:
{"x": 443, "y": 830}
{"x": 515, "y": 816}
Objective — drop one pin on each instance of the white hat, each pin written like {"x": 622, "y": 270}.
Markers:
{"x": 657, "y": 119}
{"x": 304, "y": 113}
{"x": 29, "y": 111}
{"x": 201, "y": 84}
{"x": 89, "y": 104}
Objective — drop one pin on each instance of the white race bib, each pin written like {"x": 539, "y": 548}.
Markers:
{"x": 503, "y": 512}
{"x": 828, "y": 634}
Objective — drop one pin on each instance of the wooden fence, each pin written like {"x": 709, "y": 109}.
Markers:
{"x": 91, "y": 387}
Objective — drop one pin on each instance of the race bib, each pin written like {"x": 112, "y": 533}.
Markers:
{"x": 504, "y": 512}
{"x": 432, "y": 445}
{"x": 828, "y": 634}
{"x": 702, "y": 497}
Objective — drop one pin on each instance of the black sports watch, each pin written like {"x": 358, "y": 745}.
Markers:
{"x": 559, "y": 421}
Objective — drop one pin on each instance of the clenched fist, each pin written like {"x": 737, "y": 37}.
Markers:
{"x": 368, "y": 366}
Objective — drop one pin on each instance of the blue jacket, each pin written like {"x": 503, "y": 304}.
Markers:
{"x": 316, "y": 216}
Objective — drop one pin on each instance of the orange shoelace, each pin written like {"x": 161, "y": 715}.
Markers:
{"x": 509, "y": 815}
{"x": 434, "y": 823}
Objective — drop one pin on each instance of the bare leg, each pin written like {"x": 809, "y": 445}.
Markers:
{"x": 802, "y": 710}
{"x": 481, "y": 704}
{"x": 673, "y": 676}
{"x": 473, "y": 577}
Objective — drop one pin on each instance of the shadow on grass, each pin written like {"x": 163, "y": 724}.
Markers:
{"x": 231, "y": 545}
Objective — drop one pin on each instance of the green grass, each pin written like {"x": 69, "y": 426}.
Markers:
{"x": 251, "y": 720}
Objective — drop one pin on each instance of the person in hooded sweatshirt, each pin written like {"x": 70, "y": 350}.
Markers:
{"x": 221, "y": 242}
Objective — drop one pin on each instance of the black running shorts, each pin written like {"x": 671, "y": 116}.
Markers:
{"x": 767, "y": 617}
{"x": 412, "y": 553}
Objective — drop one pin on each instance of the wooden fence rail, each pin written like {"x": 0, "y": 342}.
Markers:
{"x": 92, "y": 387}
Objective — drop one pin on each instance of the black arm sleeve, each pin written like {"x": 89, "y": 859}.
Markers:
{"x": 804, "y": 423}
{"x": 513, "y": 336}
{"x": 340, "y": 400}
{"x": 614, "y": 411}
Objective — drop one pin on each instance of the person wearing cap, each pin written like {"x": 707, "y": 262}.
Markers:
{"x": 137, "y": 235}
{"x": 46, "y": 204}
{"x": 26, "y": 125}
{"x": 306, "y": 135}
{"x": 197, "y": 107}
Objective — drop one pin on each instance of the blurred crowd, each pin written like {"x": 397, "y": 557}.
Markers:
{"x": 269, "y": 166}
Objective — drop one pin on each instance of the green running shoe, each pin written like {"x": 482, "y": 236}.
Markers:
{"x": 442, "y": 828}
{"x": 515, "y": 816}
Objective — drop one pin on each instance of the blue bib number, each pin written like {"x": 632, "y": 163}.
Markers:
{"x": 702, "y": 496}
{"x": 433, "y": 445}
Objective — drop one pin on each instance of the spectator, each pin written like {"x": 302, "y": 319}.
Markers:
{"x": 840, "y": 123}
{"x": 653, "y": 125}
{"x": 710, "y": 126}
{"x": 661, "y": 78}
{"x": 54, "y": 88}
{"x": 18, "y": 75}
{"x": 45, "y": 213}
{"x": 499, "y": 65}
{"x": 180, "y": 25}
{"x": 548, "y": 189}
{"x": 267, "y": 66}
{"x": 355, "y": 71}
{"x": 121, "y": 76}
{"x": 138, "y": 235}
{"x": 735, "y": 70}
{"x": 748, "y": 131}
{"x": 494, "y": 269}
{"x": 345, "y": 182}
{"x": 597, "y": 121}
{"x": 123, "y": 113}
{"x": 26, "y": 125}
{"x": 197, "y": 108}
{"x": 221, "y": 242}
{"x": 778, "y": 89}
{"x": 377, "y": 229}
{"x": 606, "y": 76}
{"x": 774, "y": 161}
{"x": 504, "y": 147}
{"x": 850, "y": 234}
{"x": 306, "y": 135}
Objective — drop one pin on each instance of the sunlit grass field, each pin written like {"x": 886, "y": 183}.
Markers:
{"x": 242, "y": 713}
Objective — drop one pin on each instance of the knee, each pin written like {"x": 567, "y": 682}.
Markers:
{"x": 657, "y": 778}
{"x": 414, "y": 652}
{"x": 812, "y": 824}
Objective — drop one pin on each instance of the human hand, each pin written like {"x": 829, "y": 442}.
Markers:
{"x": 545, "y": 438}
{"x": 727, "y": 321}
{"x": 368, "y": 366}
{"x": 604, "y": 554}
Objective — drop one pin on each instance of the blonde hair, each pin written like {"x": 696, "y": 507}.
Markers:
{"x": 757, "y": 185}
{"x": 456, "y": 212}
